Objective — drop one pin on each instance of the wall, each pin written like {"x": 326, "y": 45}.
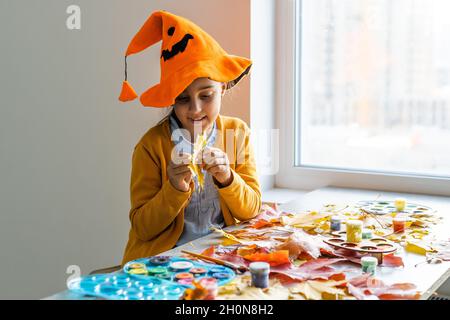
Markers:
{"x": 262, "y": 90}
{"x": 65, "y": 140}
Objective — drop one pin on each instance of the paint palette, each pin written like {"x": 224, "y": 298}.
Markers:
{"x": 154, "y": 278}
{"x": 177, "y": 270}
{"x": 386, "y": 207}
{"x": 120, "y": 286}
{"x": 376, "y": 246}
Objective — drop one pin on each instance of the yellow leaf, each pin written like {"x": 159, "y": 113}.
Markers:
{"x": 227, "y": 235}
{"x": 315, "y": 290}
{"x": 416, "y": 248}
{"x": 307, "y": 220}
{"x": 241, "y": 289}
{"x": 229, "y": 242}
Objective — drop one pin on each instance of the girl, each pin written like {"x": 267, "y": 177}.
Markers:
{"x": 170, "y": 205}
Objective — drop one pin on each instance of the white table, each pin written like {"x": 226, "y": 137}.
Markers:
{"x": 427, "y": 277}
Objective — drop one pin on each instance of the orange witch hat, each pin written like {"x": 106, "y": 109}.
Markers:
{"x": 187, "y": 53}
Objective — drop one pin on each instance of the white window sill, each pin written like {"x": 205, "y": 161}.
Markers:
{"x": 281, "y": 195}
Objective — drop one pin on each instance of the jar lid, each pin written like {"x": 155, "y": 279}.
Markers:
{"x": 365, "y": 261}
{"x": 259, "y": 267}
{"x": 354, "y": 222}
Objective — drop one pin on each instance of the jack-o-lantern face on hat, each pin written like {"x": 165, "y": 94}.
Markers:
{"x": 187, "y": 53}
{"x": 178, "y": 47}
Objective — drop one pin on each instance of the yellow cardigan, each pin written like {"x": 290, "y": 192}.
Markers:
{"x": 157, "y": 208}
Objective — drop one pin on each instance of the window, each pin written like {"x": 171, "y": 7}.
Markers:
{"x": 373, "y": 86}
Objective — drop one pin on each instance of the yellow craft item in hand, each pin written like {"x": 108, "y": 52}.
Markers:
{"x": 200, "y": 143}
{"x": 354, "y": 230}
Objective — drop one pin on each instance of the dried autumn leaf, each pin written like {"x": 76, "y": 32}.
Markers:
{"x": 300, "y": 242}
{"x": 245, "y": 238}
{"x": 227, "y": 235}
{"x": 247, "y": 250}
{"x": 316, "y": 290}
{"x": 209, "y": 251}
{"x": 366, "y": 287}
{"x": 198, "y": 293}
{"x": 261, "y": 223}
{"x": 416, "y": 248}
{"x": 313, "y": 269}
{"x": 390, "y": 260}
{"x": 225, "y": 254}
{"x": 241, "y": 289}
{"x": 303, "y": 219}
{"x": 273, "y": 258}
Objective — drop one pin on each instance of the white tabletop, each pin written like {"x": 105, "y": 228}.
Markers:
{"x": 427, "y": 277}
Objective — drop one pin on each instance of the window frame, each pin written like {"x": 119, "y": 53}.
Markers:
{"x": 287, "y": 98}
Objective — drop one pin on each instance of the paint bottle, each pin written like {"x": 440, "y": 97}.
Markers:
{"x": 400, "y": 204}
{"x": 354, "y": 230}
{"x": 260, "y": 274}
{"x": 369, "y": 264}
{"x": 399, "y": 224}
{"x": 367, "y": 234}
{"x": 335, "y": 223}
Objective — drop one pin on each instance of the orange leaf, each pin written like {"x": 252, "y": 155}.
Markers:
{"x": 390, "y": 260}
{"x": 274, "y": 258}
{"x": 209, "y": 251}
{"x": 198, "y": 293}
{"x": 244, "y": 251}
{"x": 261, "y": 224}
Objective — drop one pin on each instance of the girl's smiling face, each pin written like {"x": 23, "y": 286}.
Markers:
{"x": 199, "y": 104}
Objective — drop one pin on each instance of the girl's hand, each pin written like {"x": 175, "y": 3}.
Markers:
{"x": 180, "y": 175}
{"x": 216, "y": 163}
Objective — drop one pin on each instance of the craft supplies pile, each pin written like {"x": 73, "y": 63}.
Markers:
{"x": 287, "y": 255}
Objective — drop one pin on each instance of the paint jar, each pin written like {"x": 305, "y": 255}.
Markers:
{"x": 260, "y": 274}
{"x": 211, "y": 286}
{"x": 138, "y": 271}
{"x": 335, "y": 223}
{"x": 181, "y": 266}
{"x": 137, "y": 265}
{"x": 184, "y": 276}
{"x": 367, "y": 234}
{"x": 399, "y": 224}
{"x": 157, "y": 270}
{"x": 159, "y": 260}
{"x": 354, "y": 230}
{"x": 400, "y": 204}
{"x": 369, "y": 264}
{"x": 198, "y": 272}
